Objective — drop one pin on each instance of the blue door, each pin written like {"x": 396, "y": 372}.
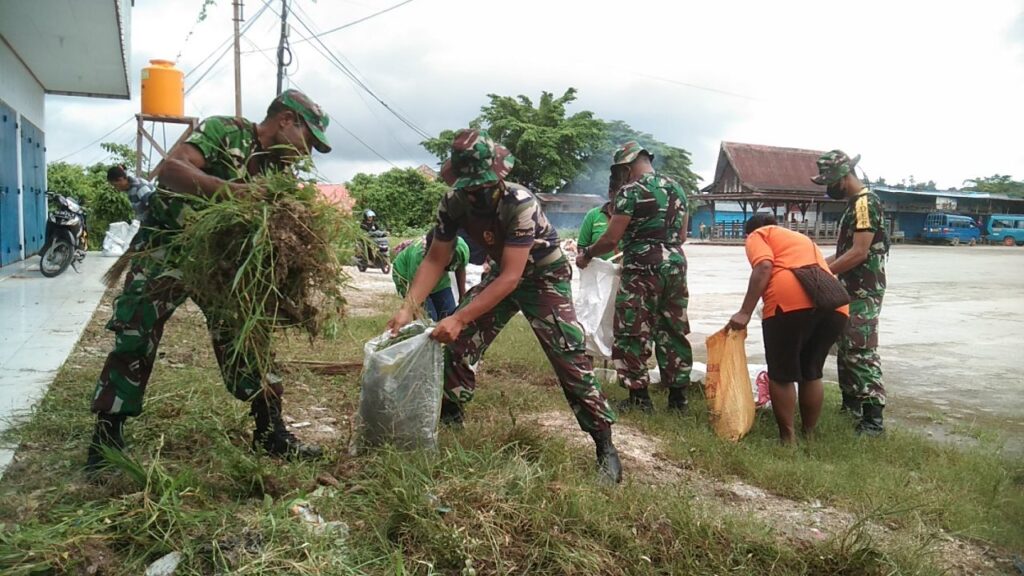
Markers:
{"x": 33, "y": 179}
{"x": 10, "y": 238}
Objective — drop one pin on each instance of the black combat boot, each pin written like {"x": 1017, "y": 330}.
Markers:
{"x": 272, "y": 435}
{"x": 677, "y": 401}
{"x": 851, "y": 406}
{"x": 109, "y": 433}
{"x": 871, "y": 422}
{"x": 609, "y": 467}
{"x": 451, "y": 413}
{"x": 639, "y": 399}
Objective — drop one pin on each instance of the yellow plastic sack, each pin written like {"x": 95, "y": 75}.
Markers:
{"x": 727, "y": 385}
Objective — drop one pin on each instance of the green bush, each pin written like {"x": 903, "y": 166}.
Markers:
{"x": 404, "y": 200}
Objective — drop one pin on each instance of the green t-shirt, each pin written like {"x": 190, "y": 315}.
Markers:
{"x": 594, "y": 224}
{"x": 404, "y": 266}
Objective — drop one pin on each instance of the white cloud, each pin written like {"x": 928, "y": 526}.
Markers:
{"x": 924, "y": 88}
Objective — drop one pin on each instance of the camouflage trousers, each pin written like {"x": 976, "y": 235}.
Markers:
{"x": 650, "y": 307}
{"x": 860, "y": 368}
{"x": 545, "y": 299}
{"x": 151, "y": 294}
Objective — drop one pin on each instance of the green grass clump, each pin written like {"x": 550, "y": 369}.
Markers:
{"x": 498, "y": 497}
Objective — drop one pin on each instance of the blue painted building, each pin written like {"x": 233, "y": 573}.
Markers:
{"x": 76, "y": 48}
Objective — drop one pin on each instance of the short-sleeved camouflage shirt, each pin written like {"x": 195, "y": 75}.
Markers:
{"x": 864, "y": 213}
{"x": 507, "y": 215}
{"x": 656, "y": 206}
{"x": 232, "y": 152}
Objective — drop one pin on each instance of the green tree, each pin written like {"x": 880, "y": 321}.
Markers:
{"x": 997, "y": 184}
{"x": 672, "y": 161}
{"x": 556, "y": 153}
{"x": 403, "y": 199}
{"x": 551, "y": 148}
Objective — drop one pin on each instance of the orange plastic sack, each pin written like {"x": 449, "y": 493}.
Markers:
{"x": 727, "y": 385}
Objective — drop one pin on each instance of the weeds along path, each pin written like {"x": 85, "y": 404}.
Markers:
{"x": 791, "y": 520}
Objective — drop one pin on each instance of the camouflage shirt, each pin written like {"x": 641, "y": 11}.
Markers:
{"x": 508, "y": 215}
{"x": 656, "y": 206}
{"x": 231, "y": 150}
{"x": 864, "y": 213}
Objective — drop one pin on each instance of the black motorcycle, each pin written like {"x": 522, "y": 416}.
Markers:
{"x": 374, "y": 252}
{"x": 67, "y": 237}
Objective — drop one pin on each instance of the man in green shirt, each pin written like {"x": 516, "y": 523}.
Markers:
{"x": 223, "y": 153}
{"x": 595, "y": 222}
{"x": 441, "y": 302}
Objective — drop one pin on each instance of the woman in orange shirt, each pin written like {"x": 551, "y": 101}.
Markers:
{"x": 797, "y": 336}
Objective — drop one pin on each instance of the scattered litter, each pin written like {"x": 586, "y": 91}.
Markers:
{"x": 165, "y": 566}
{"x": 316, "y": 523}
{"x": 303, "y": 424}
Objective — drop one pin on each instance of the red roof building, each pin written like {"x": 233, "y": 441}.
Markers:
{"x": 337, "y": 194}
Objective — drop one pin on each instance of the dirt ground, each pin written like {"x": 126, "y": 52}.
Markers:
{"x": 790, "y": 519}
{"x": 951, "y": 329}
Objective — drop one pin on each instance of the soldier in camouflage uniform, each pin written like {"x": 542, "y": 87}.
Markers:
{"x": 529, "y": 274}
{"x": 649, "y": 217}
{"x": 859, "y": 261}
{"x": 222, "y": 153}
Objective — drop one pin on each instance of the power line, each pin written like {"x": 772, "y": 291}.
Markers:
{"x": 335, "y": 123}
{"x": 342, "y": 27}
{"x": 354, "y": 22}
{"x": 94, "y": 142}
{"x": 333, "y": 59}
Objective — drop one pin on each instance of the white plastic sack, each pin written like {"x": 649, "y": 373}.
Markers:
{"x": 400, "y": 396}
{"x": 595, "y": 305}
{"x": 119, "y": 237}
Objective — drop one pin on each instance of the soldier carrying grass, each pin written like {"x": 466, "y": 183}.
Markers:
{"x": 221, "y": 155}
{"x": 530, "y": 274}
{"x": 649, "y": 224}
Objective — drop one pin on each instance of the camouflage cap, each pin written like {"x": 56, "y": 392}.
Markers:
{"x": 310, "y": 112}
{"x": 833, "y": 166}
{"x": 476, "y": 160}
{"x": 629, "y": 152}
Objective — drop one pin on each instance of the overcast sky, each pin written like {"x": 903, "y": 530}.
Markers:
{"x": 931, "y": 89}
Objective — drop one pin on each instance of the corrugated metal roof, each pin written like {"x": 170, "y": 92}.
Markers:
{"x": 947, "y": 193}
{"x": 773, "y": 168}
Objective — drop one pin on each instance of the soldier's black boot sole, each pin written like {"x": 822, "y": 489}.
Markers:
{"x": 871, "y": 423}
{"x": 639, "y": 400}
{"x": 271, "y": 434}
{"x": 109, "y": 434}
{"x": 677, "y": 401}
{"x": 451, "y": 414}
{"x": 609, "y": 467}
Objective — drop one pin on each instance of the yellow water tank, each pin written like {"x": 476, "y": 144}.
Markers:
{"x": 163, "y": 89}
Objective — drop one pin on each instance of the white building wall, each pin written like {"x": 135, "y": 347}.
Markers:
{"x": 19, "y": 89}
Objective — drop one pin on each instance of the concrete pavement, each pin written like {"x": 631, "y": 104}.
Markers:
{"x": 41, "y": 319}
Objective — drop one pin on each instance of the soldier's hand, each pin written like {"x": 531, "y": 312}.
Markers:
{"x": 738, "y": 321}
{"x": 400, "y": 319}
{"x": 448, "y": 330}
{"x": 582, "y": 261}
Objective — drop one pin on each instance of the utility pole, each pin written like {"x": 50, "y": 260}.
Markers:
{"x": 238, "y": 58}
{"x": 282, "y": 46}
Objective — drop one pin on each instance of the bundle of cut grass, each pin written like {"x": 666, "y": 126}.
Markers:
{"x": 263, "y": 260}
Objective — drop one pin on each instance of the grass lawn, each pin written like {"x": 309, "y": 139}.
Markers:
{"x": 501, "y": 496}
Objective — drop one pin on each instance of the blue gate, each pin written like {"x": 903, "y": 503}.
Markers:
{"x": 33, "y": 178}
{"x": 10, "y": 238}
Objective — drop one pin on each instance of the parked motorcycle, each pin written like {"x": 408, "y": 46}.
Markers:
{"x": 67, "y": 237}
{"x": 374, "y": 252}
